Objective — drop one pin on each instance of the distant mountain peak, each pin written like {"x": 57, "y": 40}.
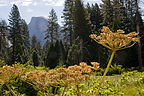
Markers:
{"x": 37, "y": 27}
{"x": 44, "y": 17}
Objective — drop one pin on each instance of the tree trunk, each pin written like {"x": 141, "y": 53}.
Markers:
{"x": 138, "y": 31}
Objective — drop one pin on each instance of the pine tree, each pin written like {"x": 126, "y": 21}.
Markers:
{"x": 26, "y": 34}
{"x": 62, "y": 53}
{"x": 83, "y": 29}
{"x": 107, "y": 12}
{"x": 55, "y": 55}
{"x": 35, "y": 59}
{"x": 132, "y": 14}
{"x": 52, "y": 31}
{"x": 116, "y": 15}
{"x": 95, "y": 16}
{"x": 45, "y": 48}
{"x": 131, "y": 10}
{"x": 3, "y": 40}
{"x": 34, "y": 42}
{"x": 26, "y": 41}
{"x": 36, "y": 47}
{"x": 52, "y": 57}
{"x": 138, "y": 31}
{"x": 73, "y": 56}
{"x": 125, "y": 20}
{"x": 16, "y": 35}
{"x": 82, "y": 21}
{"x": 96, "y": 52}
{"x": 68, "y": 27}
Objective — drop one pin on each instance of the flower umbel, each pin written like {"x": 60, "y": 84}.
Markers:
{"x": 73, "y": 75}
{"x": 115, "y": 40}
{"x": 8, "y": 73}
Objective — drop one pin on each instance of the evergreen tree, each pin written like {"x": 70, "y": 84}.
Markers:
{"x": 95, "y": 16}
{"x": 62, "y": 53}
{"x": 131, "y": 10}
{"x": 107, "y": 13}
{"x": 138, "y": 31}
{"x": 56, "y": 55}
{"x": 52, "y": 57}
{"x": 26, "y": 41}
{"x": 3, "y": 40}
{"x": 36, "y": 47}
{"x": 73, "y": 55}
{"x": 45, "y": 48}
{"x": 68, "y": 27}
{"x": 96, "y": 52}
{"x": 26, "y": 34}
{"x": 16, "y": 35}
{"x": 116, "y": 15}
{"x": 83, "y": 29}
{"x": 34, "y": 42}
{"x": 52, "y": 31}
{"x": 82, "y": 21}
{"x": 142, "y": 39}
{"x": 125, "y": 20}
{"x": 132, "y": 22}
{"x": 35, "y": 59}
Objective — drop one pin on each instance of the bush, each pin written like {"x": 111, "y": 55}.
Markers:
{"x": 2, "y": 63}
{"x": 114, "y": 69}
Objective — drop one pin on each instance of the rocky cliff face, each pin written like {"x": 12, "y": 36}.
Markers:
{"x": 38, "y": 26}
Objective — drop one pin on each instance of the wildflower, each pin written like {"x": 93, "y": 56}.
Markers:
{"x": 95, "y": 65}
{"x": 105, "y": 29}
{"x": 38, "y": 79}
{"x": 115, "y": 40}
{"x": 62, "y": 76}
{"x": 8, "y": 73}
{"x": 120, "y": 31}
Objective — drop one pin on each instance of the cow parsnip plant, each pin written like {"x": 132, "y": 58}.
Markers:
{"x": 8, "y": 73}
{"x": 114, "y": 41}
{"x": 76, "y": 74}
{"x": 73, "y": 75}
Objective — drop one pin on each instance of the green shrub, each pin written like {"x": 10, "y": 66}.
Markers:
{"x": 114, "y": 69}
{"x": 2, "y": 63}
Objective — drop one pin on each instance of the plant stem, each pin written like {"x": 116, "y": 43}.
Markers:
{"x": 78, "y": 91}
{"x": 42, "y": 93}
{"x": 55, "y": 90}
{"x": 10, "y": 90}
{"x": 102, "y": 80}
{"x": 64, "y": 90}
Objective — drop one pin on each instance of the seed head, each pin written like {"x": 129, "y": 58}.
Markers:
{"x": 115, "y": 40}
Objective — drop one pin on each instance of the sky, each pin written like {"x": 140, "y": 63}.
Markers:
{"x": 35, "y": 8}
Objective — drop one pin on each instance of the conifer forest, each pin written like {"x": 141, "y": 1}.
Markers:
{"x": 98, "y": 50}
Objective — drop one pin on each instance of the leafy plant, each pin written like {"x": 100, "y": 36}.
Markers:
{"x": 114, "y": 41}
{"x": 2, "y": 63}
{"x": 9, "y": 73}
{"x": 73, "y": 75}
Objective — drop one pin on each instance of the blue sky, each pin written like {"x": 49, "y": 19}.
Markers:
{"x": 34, "y": 8}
